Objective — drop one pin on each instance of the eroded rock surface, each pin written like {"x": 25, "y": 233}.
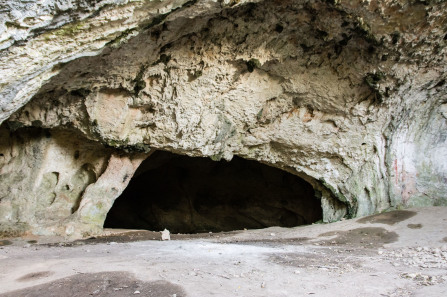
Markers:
{"x": 348, "y": 95}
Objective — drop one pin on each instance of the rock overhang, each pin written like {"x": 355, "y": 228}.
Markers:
{"x": 326, "y": 90}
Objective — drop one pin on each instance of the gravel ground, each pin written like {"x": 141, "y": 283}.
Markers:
{"x": 400, "y": 253}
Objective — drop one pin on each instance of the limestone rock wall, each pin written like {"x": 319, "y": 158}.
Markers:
{"x": 44, "y": 175}
{"x": 349, "y": 95}
{"x": 37, "y": 37}
{"x": 57, "y": 182}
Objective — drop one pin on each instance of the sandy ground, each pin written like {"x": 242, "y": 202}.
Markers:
{"x": 400, "y": 253}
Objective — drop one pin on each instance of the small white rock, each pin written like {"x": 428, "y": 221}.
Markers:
{"x": 136, "y": 292}
{"x": 165, "y": 235}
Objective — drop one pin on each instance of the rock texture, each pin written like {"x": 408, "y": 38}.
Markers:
{"x": 348, "y": 95}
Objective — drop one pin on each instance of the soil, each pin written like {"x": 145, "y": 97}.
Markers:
{"x": 414, "y": 226}
{"x": 122, "y": 236}
{"x": 113, "y": 284}
{"x": 402, "y": 253}
{"x": 5, "y": 242}
{"x": 371, "y": 237}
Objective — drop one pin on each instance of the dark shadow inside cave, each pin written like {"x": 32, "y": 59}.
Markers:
{"x": 192, "y": 195}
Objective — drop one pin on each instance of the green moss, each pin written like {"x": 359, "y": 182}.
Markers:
{"x": 227, "y": 130}
{"x": 253, "y": 64}
{"x": 422, "y": 201}
{"x": 216, "y": 157}
{"x": 198, "y": 74}
{"x": 46, "y": 189}
{"x": 336, "y": 193}
{"x": 14, "y": 125}
{"x": 350, "y": 205}
{"x": 37, "y": 123}
{"x": 126, "y": 147}
{"x": 372, "y": 79}
{"x": 441, "y": 201}
{"x": 96, "y": 215}
{"x": 70, "y": 30}
{"x": 15, "y": 230}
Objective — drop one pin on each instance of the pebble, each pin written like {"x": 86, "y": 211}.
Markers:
{"x": 136, "y": 292}
{"x": 421, "y": 257}
{"x": 426, "y": 280}
{"x": 165, "y": 235}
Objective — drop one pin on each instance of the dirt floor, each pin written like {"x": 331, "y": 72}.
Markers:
{"x": 400, "y": 253}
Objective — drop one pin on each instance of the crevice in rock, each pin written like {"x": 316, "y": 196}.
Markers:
{"x": 191, "y": 195}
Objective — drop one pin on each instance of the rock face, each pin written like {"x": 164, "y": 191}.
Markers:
{"x": 350, "y": 96}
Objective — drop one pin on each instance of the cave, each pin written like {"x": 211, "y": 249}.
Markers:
{"x": 195, "y": 194}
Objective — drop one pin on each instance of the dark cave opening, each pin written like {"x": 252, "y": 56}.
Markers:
{"x": 193, "y": 195}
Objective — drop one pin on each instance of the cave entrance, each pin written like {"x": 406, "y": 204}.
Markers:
{"x": 193, "y": 195}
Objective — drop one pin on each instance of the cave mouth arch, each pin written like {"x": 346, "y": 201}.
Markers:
{"x": 194, "y": 195}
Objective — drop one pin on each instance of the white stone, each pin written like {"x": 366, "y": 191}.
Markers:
{"x": 165, "y": 235}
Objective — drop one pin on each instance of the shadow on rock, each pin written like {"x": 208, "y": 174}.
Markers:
{"x": 389, "y": 218}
